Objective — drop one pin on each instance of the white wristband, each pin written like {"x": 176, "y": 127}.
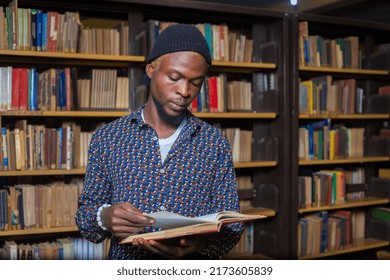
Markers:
{"x": 98, "y": 216}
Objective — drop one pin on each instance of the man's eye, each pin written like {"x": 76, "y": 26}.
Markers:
{"x": 175, "y": 79}
{"x": 197, "y": 84}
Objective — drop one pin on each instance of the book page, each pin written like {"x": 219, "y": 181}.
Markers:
{"x": 168, "y": 220}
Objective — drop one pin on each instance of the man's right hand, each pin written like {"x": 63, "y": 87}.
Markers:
{"x": 124, "y": 219}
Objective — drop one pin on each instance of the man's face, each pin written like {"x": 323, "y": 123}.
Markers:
{"x": 176, "y": 80}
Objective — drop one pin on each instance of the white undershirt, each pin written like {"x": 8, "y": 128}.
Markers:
{"x": 166, "y": 143}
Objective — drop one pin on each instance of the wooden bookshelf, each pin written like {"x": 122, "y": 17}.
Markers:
{"x": 262, "y": 26}
{"x": 118, "y": 113}
{"x": 43, "y": 172}
{"x": 347, "y": 117}
{"x": 367, "y": 201}
{"x": 77, "y": 59}
{"x": 259, "y": 211}
{"x": 27, "y": 232}
{"x": 236, "y": 115}
{"x": 344, "y": 70}
{"x": 365, "y": 80}
{"x": 62, "y": 114}
{"x": 254, "y": 164}
{"x": 72, "y": 56}
{"x": 358, "y": 245}
{"x": 344, "y": 161}
{"x": 81, "y": 171}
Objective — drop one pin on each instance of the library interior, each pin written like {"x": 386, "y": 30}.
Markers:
{"x": 300, "y": 91}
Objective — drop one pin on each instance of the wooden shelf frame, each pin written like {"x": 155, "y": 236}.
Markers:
{"x": 367, "y": 201}
{"x": 81, "y": 171}
{"x": 346, "y": 117}
{"x": 358, "y": 244}
{"x": 343, "y": 161}
{"x": 118, "y": 113}
{"x": 344, "y": 70}
{"x": 20, "y": 232}
{"x": 368, "y": 79}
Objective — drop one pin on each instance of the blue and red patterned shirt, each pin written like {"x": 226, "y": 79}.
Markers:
{"x": 196, "y": 178}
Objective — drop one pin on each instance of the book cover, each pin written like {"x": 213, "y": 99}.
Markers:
{"x": 23, "y": 89}
{"x": 15, "y": 104}
{"x": 175, "y": 225}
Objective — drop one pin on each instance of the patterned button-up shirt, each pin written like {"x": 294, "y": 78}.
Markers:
{"x": 196, "y": 178}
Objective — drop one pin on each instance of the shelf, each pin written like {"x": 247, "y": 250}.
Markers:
{"x": 92, "y": 114}
{"x": 69, "y": 58}
{"x": 350, "y": 116}
{"x": 117, "y": 60}
{"x": 358, "y": 244}
{"x": 344, "y": 161}
{"x": 236, "y": 115}
{"x": 242, "y": 67}
{"x": 259, "y": 211}
{"x": 38, "y": 231}
{"x": 246, "y": 256}
{"x": 252, "y": 164}
{"x": 43, "y": 172}
{"x": 367, "y": 201}
{"x": 344, "y": 70}
{"x": 117, "y": 114}
{"x": 81, "y": 171}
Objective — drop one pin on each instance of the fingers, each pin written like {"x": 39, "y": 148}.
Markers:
{"x": 131, "y": 208}
{"x": 157, "y": 248}
{"x": 137, "y": 215}
{"x": 173, "y": 248}
{"x": 124, "y": 219}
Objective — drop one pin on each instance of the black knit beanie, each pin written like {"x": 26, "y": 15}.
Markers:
{"x": 177, "y": 38}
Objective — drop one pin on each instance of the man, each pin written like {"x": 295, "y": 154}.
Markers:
{"x": 161, "y": 157}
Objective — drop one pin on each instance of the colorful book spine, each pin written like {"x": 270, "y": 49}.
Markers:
{"x": 4, "y": 148}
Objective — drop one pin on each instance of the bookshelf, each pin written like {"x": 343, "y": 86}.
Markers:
{"x": 266, "y": 119}
{"x": 367, "y": 78}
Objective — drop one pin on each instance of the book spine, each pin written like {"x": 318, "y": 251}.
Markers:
{"x": 4, "y": 148}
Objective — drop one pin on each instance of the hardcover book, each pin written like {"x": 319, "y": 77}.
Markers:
{"x": 176, "y": 225}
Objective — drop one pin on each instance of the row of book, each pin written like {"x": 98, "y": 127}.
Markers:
{"x": 321, "y": 140}
{"x": 322, "y": 96}
{"x": 106, "y": 41}
{"x": 61, "y": 90}
{"x": 220, "y": 95}
{"x": 330, "y": 187}
{"x": 105, "y": 90}
{"x": 67, "y": 248}
{"x": 26, "y": 206}
{"x": 28, "y": 29}
{"x": 241, "y": 143}
{"x": 317, "y": 51}
{"x": 64, "y": 90}
{"x": 38, "y": 30}
{"x": 225, "y": 44}
{"x": 323, "y": 231}
{"x": 38, "y": 147}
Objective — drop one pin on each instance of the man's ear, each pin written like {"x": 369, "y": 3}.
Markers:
{"x": 149, "y": 68}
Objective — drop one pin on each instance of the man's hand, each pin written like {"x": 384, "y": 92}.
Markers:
{"x": 173, "y": 248}
{"x": 124, "y": 219}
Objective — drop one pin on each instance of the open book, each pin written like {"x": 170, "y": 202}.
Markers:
{"x": 175, "y": 225}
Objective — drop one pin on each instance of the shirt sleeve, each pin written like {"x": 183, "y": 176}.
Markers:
{"x": 95, "y": 192}
{"x": 225, "y": 198}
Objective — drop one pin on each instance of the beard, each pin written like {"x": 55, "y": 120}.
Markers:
{"x": 164, "y": 114}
